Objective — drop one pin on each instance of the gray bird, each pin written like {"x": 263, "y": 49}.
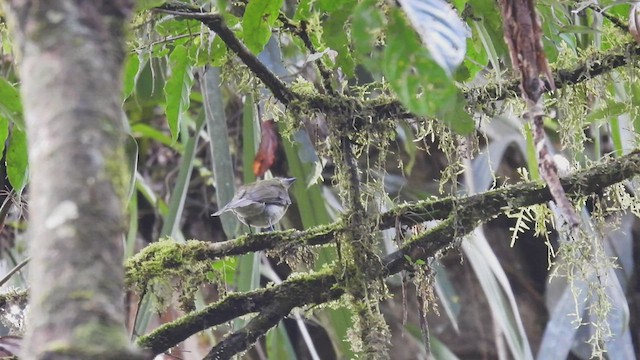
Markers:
{"x": 260, "y": 204}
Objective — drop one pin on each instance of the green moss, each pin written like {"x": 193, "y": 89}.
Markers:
{"x": 167, "y": 262}
{"x": 105, "y": 336}
{"x": 81, "y": 295}
{"x": 118, "y": 172}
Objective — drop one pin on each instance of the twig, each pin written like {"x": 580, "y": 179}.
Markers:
{"x": 301, "y": 32}
{"x": 590, "y": 68}
{"x": 242, "y": 339}
{"x": 216, "y": 23}
{"x": 614, "y": 20}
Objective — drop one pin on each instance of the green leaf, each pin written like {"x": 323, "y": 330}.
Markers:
{"x": 4, "y": 132}
{"x": 420, "y": 84}
{"x": 142, "y": 5}
{"x": 218, "y": 52}
{"x": 334, "y": 34}
{"x": 610, "y": 109}
{"x": 258, "y": 18}
{"x": 303, "y": 11}
{"x": 279, "y": 345}
{"x": 10, "y": 103}
{"x": 177, "y": 27}
{"x": 131, "y": 67}
{"x": 141, "y": 130}
{"x": 478, "y": 50}
{"x": 453, "y": 114}
{"x": 486, "y": 11}
{"x": 178, "y": 88}
{"x": 367, "y": 25}
{"x": 327, "y": 5}
{"x": 440, "y": 29}
{"x": 309, "y": 199}
{"x": 17, "y": 160}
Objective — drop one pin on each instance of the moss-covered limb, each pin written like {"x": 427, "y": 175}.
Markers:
{"x": 216, "y": 23}
{"x": 168, "y": 258}
{"x": 321, "y": 287}
{"x": 589, "y": 68}
{"x": 316, "y": 288}
{"x": 471, "y": 211}
{"x": 242, "y": 339}
{"x": 161, "y": 257}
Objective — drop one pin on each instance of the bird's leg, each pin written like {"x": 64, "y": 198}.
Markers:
{"x": 250, "y": 229}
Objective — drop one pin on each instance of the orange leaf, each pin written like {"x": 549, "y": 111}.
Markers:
{"x": 266, "y": 155}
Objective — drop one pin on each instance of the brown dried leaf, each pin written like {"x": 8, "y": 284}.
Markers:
{"x": 266, "y": 155}
{"x": 523, "y": 36}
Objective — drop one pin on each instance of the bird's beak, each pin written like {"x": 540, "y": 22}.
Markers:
{"x": 287, "y": 182}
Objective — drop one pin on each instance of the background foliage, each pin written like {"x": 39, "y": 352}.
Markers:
{"x": 202, "y": 83}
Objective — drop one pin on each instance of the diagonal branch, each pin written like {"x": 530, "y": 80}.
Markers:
{"x": 315, "y": 288}
{"x": 242, "y": 339}
{"x": 591, "y": 67}
{"x": 322, "y": 287}
{"x": 216, "y": 23}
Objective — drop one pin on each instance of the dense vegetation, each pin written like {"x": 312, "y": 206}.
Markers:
{"x": 466, "y": 176}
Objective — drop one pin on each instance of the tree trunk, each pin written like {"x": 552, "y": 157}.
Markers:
{"x": 70, "y": 61}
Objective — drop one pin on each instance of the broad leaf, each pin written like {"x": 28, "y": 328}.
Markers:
{"x": 17, "y": 160}
{"x": 4, "y": 133}
{"x": 258, "y": 18}
{"x": 367, "y": 24}
{"x": 440, "y": 29}
{"x": 10, "y": 103}
{"x": 131, "y": 67}
{"x": 178, "y": 88}
{"x": 424, "y": 88}
{"x": 335, "y": 36}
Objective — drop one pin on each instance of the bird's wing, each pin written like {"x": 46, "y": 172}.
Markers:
{"x": 234, "y": 203}
{"x": 271, "y": 195}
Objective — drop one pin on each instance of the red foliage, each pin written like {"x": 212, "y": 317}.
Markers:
{"x": 266, "y": 155}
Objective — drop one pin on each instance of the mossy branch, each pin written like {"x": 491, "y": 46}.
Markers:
{"x": 153, "y": 259}
{"x": 462, "y": 216}
{"x": 344, "y": 106}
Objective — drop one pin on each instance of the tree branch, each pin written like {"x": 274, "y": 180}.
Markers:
{"x": 242, "y": 339}
{"x": 216, "y": 23}
{"x": 590, "y": 68}
{"x": 484, "y": 206}
{"x": 292, "y": 292}
{"x": 462, "y": 216}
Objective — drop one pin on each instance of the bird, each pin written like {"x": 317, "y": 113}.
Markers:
{"x": 260, "y": 204}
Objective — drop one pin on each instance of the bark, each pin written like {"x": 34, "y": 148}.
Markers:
{"x": 70, "y": 58}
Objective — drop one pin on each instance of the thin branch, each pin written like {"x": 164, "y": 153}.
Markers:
{"x": 319, "y": 288}
{"x": 343, "y": 106}
{"x": 301, "y": 32}
{"x": 242, "y": 339}
{"x": 216, "y": 23}
{"x": 614, "y": 20}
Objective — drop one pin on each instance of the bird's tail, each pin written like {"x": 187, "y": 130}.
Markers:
{"x": 219, "y": 212}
